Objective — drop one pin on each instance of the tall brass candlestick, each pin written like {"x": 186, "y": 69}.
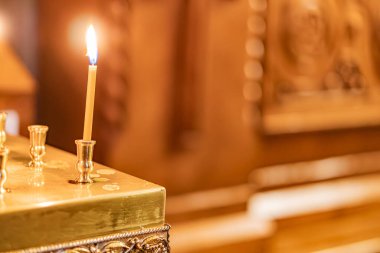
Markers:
{"x": 92, "y": 53}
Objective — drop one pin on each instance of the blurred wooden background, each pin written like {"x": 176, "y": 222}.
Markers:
{"x": 206, "y": 97}
{"x": 170, "y": 96}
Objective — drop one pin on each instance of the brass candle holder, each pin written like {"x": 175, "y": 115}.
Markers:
{"x": 3, "y": 134}
{"x": 3, "y": 168}
{"x": 84, "y": 165}
{"x": 37, "y": 135}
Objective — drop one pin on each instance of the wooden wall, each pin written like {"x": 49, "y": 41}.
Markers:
{"x": 172, "y": 109}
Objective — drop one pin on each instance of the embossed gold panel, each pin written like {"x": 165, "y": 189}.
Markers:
{"x": 321, "y": 64}
{"x": 43, "y": 207}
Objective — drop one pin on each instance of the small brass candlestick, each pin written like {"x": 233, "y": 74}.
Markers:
{"x": 37, "y": 135}
{"x": 85, "y": 166}
{"x": 3, "y": 170}
{"x": 3, "y": 135}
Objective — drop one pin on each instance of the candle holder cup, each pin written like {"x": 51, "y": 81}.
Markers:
{"x": 3, "y": 170}
{"x": 85, "y": 165}
{"x": 3, "y": 135}
{"x": 37, "y": 135}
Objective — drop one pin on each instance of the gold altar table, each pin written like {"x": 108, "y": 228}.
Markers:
{"x": 44, "y": 211}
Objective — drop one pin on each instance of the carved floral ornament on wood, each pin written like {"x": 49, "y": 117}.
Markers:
{"x": 318, "y": 70}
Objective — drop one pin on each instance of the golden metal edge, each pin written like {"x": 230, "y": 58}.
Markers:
{"x": 99, "y": 239}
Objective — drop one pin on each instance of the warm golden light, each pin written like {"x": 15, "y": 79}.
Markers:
{"x": 3, "y": 27}
{"x": 92, "y": 47}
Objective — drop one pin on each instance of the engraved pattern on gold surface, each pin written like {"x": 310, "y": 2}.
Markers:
{"x": 153, "y": 240}
{"x": 149, "y": 244}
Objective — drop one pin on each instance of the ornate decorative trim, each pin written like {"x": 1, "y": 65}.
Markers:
{"x": 311, "y": 65}
{"x": 255, "y": 49}
{"x": 152, "y": 240}
{"x": 150, "y": 243}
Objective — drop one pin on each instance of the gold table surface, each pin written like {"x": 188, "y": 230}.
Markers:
{"x": 43, "y": 207}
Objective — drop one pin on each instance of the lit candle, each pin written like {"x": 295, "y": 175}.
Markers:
{"x": 92, "y": 53}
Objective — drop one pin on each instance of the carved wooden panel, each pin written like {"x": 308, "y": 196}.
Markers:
{"x": 318, "y": 68}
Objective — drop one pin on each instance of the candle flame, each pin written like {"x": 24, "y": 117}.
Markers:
{"x": 92, "y": 47}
